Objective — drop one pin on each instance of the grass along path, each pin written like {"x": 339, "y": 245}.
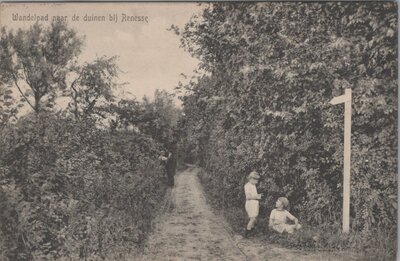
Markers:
{"x": 191, "y": 231}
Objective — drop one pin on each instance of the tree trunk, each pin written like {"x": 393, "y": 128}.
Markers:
{"x": 37, "y": 103}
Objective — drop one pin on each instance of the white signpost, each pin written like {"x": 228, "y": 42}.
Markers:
{"x": 346, "y": 99}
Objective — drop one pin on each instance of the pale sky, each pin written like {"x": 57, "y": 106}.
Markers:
{"x": 149, "y": 55}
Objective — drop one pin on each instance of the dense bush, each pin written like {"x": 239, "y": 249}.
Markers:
{"x": 70, "y": 189}
{"x": 83, "y": 182}
{"x": 375, "y": 244}
{"x": 263, "y": 104}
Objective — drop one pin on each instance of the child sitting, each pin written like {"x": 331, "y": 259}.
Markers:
{"x": 279, "y": 217}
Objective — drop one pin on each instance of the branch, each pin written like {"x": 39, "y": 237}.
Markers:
{"x": 90, "y": 103}
{"x": 27, "y": 78}
{"x": 74, "y": 82}
{"x": 74, "y": 89}
{"x": 23, "y": 95}
{"x": 29, "y": 81}
{"x": 75, "y": 95}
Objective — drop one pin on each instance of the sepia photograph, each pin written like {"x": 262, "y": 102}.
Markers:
{"x": 174, "y": 131}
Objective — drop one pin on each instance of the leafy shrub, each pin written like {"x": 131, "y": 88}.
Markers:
{"x": 72, "y": 190}
{"x": 376, "y": 244}
{"x": 263, "y": 104}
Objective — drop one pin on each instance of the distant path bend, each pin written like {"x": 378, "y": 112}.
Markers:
{"x": 191, "y": 231}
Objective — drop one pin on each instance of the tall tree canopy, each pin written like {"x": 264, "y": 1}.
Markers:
{"x": 40, "y": 63}
{"x": 40, "y": 59}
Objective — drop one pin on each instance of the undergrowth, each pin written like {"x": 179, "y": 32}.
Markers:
{"x": 374, "y": 244}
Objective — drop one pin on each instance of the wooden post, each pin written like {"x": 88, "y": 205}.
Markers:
{"x": 346, "y": 99}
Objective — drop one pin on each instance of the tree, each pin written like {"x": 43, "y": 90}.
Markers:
{"x": 271, "y": 69}
{"x": 156, "y": 118}
{"x": 94, "y": 83}
{"x": 9, "y": 107}
{"x": 42, "y": 62}
{"x": 37, "y": 61}
{"x": 164, "y": 117}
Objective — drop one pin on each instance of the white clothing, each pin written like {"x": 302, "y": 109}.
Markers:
{"x": 252, "y": 204}
{"x": 162, "y": 158}
{"x": 278, "y": 221}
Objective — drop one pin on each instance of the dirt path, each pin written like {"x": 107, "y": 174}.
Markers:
{"x": 191, "y": 231}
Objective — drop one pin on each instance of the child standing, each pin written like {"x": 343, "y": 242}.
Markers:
{"x": 252, "y": 204}
{"x": 279, "y": 216}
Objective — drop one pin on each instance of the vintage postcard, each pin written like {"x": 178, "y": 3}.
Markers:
{"x": 199, "y": 131}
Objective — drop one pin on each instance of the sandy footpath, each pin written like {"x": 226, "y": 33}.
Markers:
{"x": 188, "y": 230}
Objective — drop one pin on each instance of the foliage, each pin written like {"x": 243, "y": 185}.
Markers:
{"x": 158, "y": 118}
{"x": 375, "y": 244}
{"x": 9, "y": 107}
{"x": 40, "y": 59}
{"x": 83, "y": 182}
{"x": 41, "y": 62}
{"x": 71, "y": 190}
{"x": 165, "y": 115}
{"x": 94, "y": 83}
{"x": 263, "y": 104}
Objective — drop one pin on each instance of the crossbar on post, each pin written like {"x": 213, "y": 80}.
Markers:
{"x": 346, "y": 99}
